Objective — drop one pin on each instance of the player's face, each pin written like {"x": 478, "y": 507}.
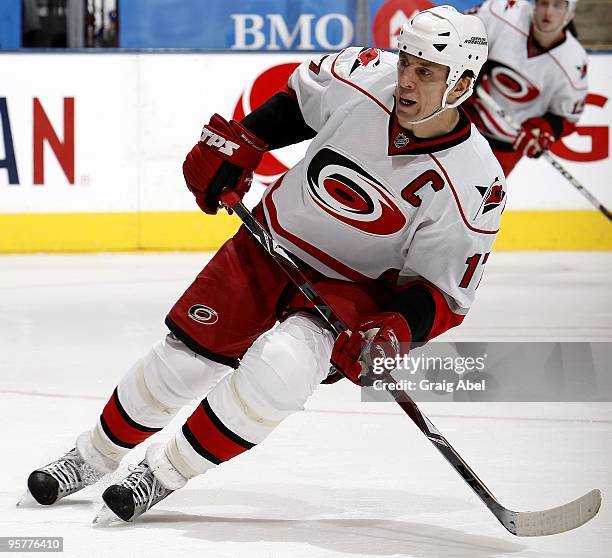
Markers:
{"x": 549, "y": 15}
{"x": 420, "y": 87}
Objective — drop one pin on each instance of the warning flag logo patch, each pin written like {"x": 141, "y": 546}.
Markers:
{"x": 492, "y": 197}
{"x": 366, "y": 57}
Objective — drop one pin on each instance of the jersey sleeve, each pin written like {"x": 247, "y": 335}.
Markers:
{"x": 569, "y": 101}
{"x": 310, "y": 81}
{"x": 323, "y": 84}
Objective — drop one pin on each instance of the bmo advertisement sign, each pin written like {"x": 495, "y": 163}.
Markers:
{"x": 269, "y": 25}
{"x": 240, "y": 25}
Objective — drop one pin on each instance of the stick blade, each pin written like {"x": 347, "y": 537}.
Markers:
{"x": 560, "y": 519}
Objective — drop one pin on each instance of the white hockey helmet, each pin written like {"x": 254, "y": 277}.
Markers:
{"x": 446, "y": 36}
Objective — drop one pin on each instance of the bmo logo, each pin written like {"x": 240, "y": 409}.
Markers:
{"x": 330, "y": 31}
{"x": 59, "y": 140}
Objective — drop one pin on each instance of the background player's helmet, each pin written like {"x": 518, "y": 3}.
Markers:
{"x": 445, "y": 36}
{"x": 571, "y": 11}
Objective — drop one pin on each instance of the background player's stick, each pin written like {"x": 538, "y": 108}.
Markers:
{"x": 522, "y": 524}
{"x": 493, "y": 106}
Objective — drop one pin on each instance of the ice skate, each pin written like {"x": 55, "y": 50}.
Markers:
{"x": 80, "y": 467}
{"x": 60, "y": 478}
{"x": 148, "y": 483}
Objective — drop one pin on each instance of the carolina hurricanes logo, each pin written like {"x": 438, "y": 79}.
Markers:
{"x": 347, "y": 192}
{"x": 512, "y": 85}
{"x": 265, "y": 85}
{"x": 582, "y": 70}
{"x": 510, "y": 4}
{"x": 203, "y": 314}
{"x": 366, "y": 57}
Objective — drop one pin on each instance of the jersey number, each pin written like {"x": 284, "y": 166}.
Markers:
{"x": 472, "y": 264}
{"x": 428, "y": 177}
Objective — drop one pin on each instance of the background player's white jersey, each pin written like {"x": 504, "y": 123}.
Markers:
{"x": 524, "y": 80}
{"x": 369, "y": 197}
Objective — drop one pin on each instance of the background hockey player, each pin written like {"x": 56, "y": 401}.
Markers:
{"x": 392, "y": 211}
{"x": 536, "y": 72}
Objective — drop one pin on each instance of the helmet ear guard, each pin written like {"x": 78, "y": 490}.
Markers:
{"x": 445, "y": 36}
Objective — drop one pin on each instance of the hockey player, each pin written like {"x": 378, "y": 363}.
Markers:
{"x": 536, "y": 72}
{"x": 392, "y": 211}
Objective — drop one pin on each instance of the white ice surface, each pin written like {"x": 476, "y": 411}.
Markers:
{"x": 342, "y": 478}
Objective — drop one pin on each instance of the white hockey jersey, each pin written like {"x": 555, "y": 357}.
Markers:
{"x": 524, "y": 80}
{"x": 369, "y": 198}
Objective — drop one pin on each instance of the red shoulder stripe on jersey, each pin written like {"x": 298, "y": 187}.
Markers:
{"x": 547, "y": 52}
{"x": 333, "y": 71}
{"x": 465, "y": 221}
{"x": 313, "y": 251}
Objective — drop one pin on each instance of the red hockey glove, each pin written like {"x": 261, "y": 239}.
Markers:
{"x": 380, "y": 336}
{"x": 535, "y": 137}
{"x": 226, "y": 155}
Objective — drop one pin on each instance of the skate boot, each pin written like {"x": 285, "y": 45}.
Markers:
{"x": 143, "y": 487}
{"x": 80, "y": 467}
{"x": 60, "y": 478}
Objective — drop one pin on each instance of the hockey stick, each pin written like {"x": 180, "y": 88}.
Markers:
{"x": 522, "y": 524}
{"x": 492, "y": 105}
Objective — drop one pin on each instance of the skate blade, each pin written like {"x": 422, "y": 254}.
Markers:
{"x": 26, "y": 500}
{"x": 106, "y": 517}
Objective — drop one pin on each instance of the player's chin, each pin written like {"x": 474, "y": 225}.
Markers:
{"x": 407, "y": 111}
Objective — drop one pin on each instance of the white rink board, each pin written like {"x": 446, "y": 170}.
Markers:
{"x": 137, "y": 115}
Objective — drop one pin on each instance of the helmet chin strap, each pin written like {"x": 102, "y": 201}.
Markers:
{"x": 444, "y": 105}
{"x": 432, "y": 115}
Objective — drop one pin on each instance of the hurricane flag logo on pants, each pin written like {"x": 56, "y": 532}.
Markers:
{"x": 347, "y": 192}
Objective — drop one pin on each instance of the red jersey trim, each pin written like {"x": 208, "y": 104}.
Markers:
{"x": 547, "y": 52}
{"x": 416, "y": 146}
{"x": 465, "y": 221}
{"x": 444, "y": 317}
{"x": 535, "y": 49}
{"x": 313, "y": 251}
